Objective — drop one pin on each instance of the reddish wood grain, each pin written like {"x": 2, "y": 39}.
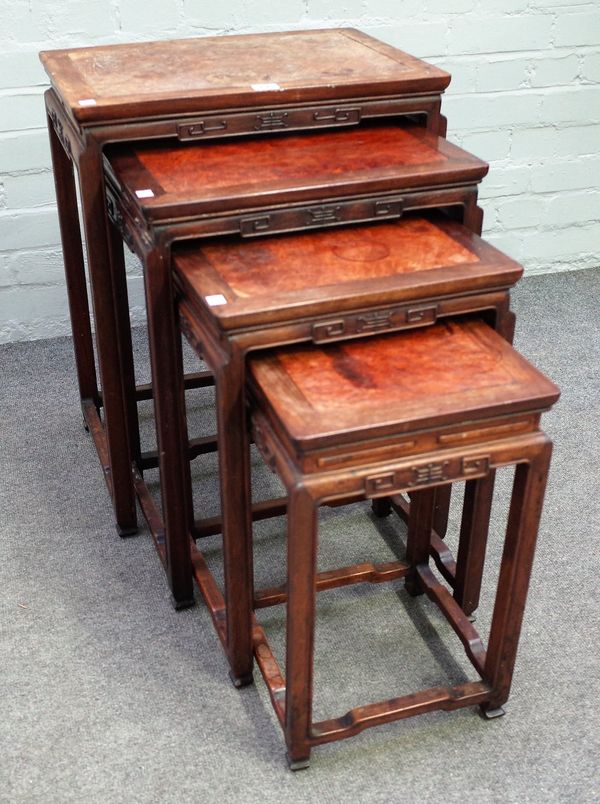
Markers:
{"x": 179, "y": 75}
{"x": 192, "y": 178}
{"x": 287, "y": 277}
{"x": 284, "y": 264}
{"x": 453, "y": 370}
{"x": 181, "y": 170}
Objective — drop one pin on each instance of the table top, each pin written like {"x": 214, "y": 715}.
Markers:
{"x": 334, "y": 270}
{"x": 134, "y": 81}
{"x": 162, "y": 180}
{"x": 457, "y": 370}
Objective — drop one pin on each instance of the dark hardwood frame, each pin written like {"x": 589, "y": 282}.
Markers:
{"x": 292, "y": 696}
{"x": 79, "y": 144}
{"x": 339, "y": 424}
{"x": 151, "y": 238}
{"x": 225, "y": 355}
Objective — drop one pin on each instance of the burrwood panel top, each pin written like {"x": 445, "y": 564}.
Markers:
{"x": 453, "y": 371}
{"x": 161, "y": 181}
{"x": 290, "y": 276}
{"x": 116, "y": 82}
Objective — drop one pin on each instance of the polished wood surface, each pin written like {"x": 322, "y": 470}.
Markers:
{"x": 184, "y": 91}
{"x": 327, "y": 271}
{"x": 185, "y": 180}
{"x": 393, "y": 383}
{"x": 451, "y": 371}
{"x": 125, "y": 81}
{"x": 369, "y": 306}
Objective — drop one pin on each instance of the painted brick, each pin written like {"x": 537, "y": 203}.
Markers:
{"x": 498, "y": 34}
{"x": 488, "y": 145}
{"x": 28, "y": 229}
{"x": 532, "y": 144}
{"x": 391, "y": 8}
{"x": 33, "y": 329}
{"x": 38, "y": 302}
{"x": 504, "y": 7}
{"x": 445, "y": 9}
{"x": 543, "y": 5}
{"x": 273, "y": 14}
{"x": 132, "y": 264}
{"x": 558, "y": 176}
{"x": 591, "y": 67}
{"x": 242, "y": 14}
{"x": 93, "y": 19}
{"x": 7, "y": 277}
{"x": 135, "y": 291}
{"x": 508, "y": 242}
{"x": 421, "y": 39}
{"x": 502, "y": 180}
{"x": 522, "y": 212}
{"x": 27, "y": 150}
{"x": 346, "y": 9}
{"x": 575, "y": 104}
{"x": 552, "y": 72}
{"x": 567, "y": 209}
{"x": 490, "y": 111}
{"x": 213, "y": 16}
{"x": 20, "y": 23}
{"x": 540, "y": 143}
{"x": 578, "y": 140}
{"x": 23, "y": 111}
{"x": 464, "y": 75}
{"x": 577, "y": 29}
{"x": 574, "y": 262}
{"x": 494, "y": 75}
{"x": 158, "y": 15}
{"x": 550, "y": 245}
{"x": 21, "y": 69}
{"x": 41, "y": 267}
{"x": 2, "y": 195}
{"x": 29, "y": 190}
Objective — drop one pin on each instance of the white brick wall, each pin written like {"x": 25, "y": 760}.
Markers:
{"x": 525, "y": 96}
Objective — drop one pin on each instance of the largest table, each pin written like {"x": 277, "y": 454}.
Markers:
{"x": 191, "y": 89}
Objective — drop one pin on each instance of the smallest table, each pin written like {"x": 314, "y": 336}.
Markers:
{"x": 391, "y": 414}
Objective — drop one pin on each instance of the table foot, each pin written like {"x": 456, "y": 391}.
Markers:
{"x": 491, "y": 714}
{"x": 241, "y": 681}
{"x": 381, "y": 507}
{"x": 125, "y": 532}
{"x": 179, "y": 605}
{"x": 297, "y": 764}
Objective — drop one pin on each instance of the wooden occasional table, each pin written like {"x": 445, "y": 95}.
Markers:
{"x": 239, "y": 298}
{"x": 158, "y": 193}
{"x": 191, "y": 89}
{"x": 398, "y": 413}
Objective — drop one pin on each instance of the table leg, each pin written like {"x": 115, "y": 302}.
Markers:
{"x": 70, "y": 233}
{"x": 115, "y": 423}
{"x": 441, "y": 510}
{"x": 121, "y": 302}
{"x": 473, "y": 540}
{"x": 234, "y": 479}
{"x": 515, "y": 572}
{"x": 171, "y": 429}
{"x": 301, "y": 606}
{"x": 418, "y": 539}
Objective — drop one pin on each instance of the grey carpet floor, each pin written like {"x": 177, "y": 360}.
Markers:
{"x": 109, "y": 695}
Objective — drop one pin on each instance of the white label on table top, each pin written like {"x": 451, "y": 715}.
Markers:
{"x": 87, "y": 102}
{"x": 144, "y": 193}
{"x": 214, "y": 301}
{"x": 273, "y": 87}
